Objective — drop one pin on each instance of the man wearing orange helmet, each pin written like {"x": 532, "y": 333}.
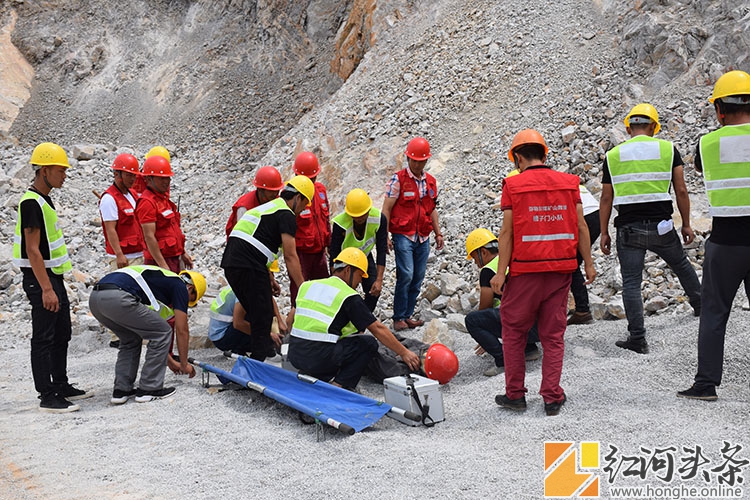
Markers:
{"x": 267, "y": 184}
{"x": 724, "y": 158}
{"x": 637, "y": 177}
{"x": 160, "y": 219}
{"x": 313, "y": 225}
{"x": 543, "y": 226}
{"x": 409, "y": 205}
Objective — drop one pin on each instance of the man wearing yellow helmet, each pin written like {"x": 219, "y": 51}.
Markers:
{"x": 724, "y": 158}
{"x": 39, "y": 250}
{"x": 329, "y": 315}
{"x": 138, "y": 303}
{"x": 637, "y": 178}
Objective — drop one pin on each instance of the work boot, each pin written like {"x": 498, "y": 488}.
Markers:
{"x": 702, "y": 392}
{"x": 511, "y": 404}
{"x": 580, "y": 318}
{"x": 553, "y": 408}
{"x": 640, "y": 346}
{"x": 399, "y": 325}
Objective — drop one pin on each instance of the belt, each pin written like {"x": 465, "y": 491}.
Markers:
{"x": 106, "y": 286}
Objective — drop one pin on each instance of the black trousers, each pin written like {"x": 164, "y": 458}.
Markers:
{"x": 252, "y": 286}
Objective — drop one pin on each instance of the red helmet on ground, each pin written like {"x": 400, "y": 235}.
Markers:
{"x": 157, "y": 166}
{"x": 268, "y": 178}
{"x": 418, "y": 149}
{"x": 126, "y": 163}
{"x": 440, "y": 363}
{"x": 306, "y": 164}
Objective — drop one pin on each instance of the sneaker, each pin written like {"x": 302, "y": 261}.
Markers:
{"x": 495, "y": 370}
{"x": 532, "y": 352}
{"x": 72, "y": 393}
{"x": 399, "y": 325}
{"x": 580, "y": 318}
{"x": 413, "y": 323}
{"x": 54, "y": 403}
{"x": 702, "y": 392}
{"x": 552, "y": 409}
{"x": 639, "y": 346}
{"x": 121, "y": 397}
{"x": 511, "y": 404}
{"x": 142, "y": 396}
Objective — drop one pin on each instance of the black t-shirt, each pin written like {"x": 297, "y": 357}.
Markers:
{"x": 485, "y": 275}
{"x": 169, "y": 290}
{"x": 654, "y": 211}
{"x": 381, "y": 241}
{"x": 240, "y": 253}
{"x": 732, "y": 231}
{"x": 352, "y": 309}
{"x": 32, "y": 217}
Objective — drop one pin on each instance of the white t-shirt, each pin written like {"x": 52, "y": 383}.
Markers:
{"x": 590, "y": 205}
{"x": 108, "y": 209}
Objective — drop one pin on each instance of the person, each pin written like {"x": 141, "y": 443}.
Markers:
{"x": 363, "y": 226}
{"x": 313, "y": 225}
{"x": 410, "y": 201}
{"x": 582, "y": 313}
{"x": 123, "y": 237}
{"x": 636, "y": 179}
{"x": 160, "y": 219}
{"x": 324, "y": 340}
{"x": 253, "y": 246}
{"x": 267, "y": 184}
{"x": 40, "y": 252}
{"x": 136, "y": 303}
{"x": 484, "y": 324}
{"x": 724, "y": 159}
{"x": 543, "y": 225}
{"x": 139, "y": 186}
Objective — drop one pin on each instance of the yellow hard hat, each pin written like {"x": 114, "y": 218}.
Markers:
{"x": 159, "y": 151}
{"x": 644, "y": 109}
{"x": 274, "y": 267}
{"x": 477, "y": 239}
{"x": 513, "y": 172}
{"x": 733, "y": 83}
{"x": 354, "y": 257}
{"x": 198, "y": 281}
{"x": 358, "y": 202}
{"x": 302, "y": 184}
{"x": 49, "y": 154}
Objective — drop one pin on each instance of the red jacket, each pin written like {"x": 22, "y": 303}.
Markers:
{"x": 410, "y": 213}
{"x": 545, "y": 220}
{"x": 159, "y": 209}
{"x": 313, "y": 224}
{"x": 246, "y": 201}
{"x": 128, "y": 229}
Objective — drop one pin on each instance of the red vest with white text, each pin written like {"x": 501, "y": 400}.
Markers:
{"x": 314, "y": 224}
{"x": 128, "y": 229}
{"x": 246, "y": 201}
{"x": 410, "y": 213}
{"x": 545, "y": 221}
{"x": 168, "y": 233}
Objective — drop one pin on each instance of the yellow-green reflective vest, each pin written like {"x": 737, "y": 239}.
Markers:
{"x": 318, "y": 302}
{"x": 136, "y": 272}
{"x": 725, "y": 156}
{"x": 59, "y": 260}
{"x": 641, "y": 170}
{"x": 367, "y": 243}
{"x": 248, "y": 223}
{"x": 222, "y": 307}
{"x": 493, "y": 266}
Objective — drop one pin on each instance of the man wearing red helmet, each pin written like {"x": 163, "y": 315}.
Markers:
{"x": 160, "y": 220}
{"x": 267, "y": 184}
{"x": 409, "y": 205}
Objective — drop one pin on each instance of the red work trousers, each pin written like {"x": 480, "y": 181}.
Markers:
{"x": 530, "y": 298}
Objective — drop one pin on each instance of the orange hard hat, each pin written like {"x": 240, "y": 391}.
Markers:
{"x": 268, "y": 178}
{"x": 418, "y": 149}
{"x": 306, "y": 164}
{"x": 126, "y": 163}
{"x": 440, "y": 363}
{"x": 157, "y": 166}
{"x": 527, "y": 136}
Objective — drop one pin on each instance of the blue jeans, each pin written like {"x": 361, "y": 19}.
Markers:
{"x": 485, "y": 327}
{"x": 411, "y": 263}
{"x": 632, "y": 242}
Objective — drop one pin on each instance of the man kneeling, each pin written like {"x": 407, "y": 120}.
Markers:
{"x": 325, "y": 340}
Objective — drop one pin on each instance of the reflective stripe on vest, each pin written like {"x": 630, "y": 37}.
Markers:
{"x": 318, "y": 303}
{"x": 136, "y": 272}
{"x": 367, "y": 243}
{"x": 223, "y": 304}
{"x": 725, "y": 156}
{"x": 248, "y": 223}
{"x": 59, "y": 260}
{"x": 641, "y": 170}
{"x": 492, "y": 265}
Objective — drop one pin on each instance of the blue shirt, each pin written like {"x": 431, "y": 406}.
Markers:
{"x": 169, "y": 290}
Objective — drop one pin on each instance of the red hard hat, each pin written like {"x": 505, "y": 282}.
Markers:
{"x": 157, "y": 166}
{"x": 268, "y": 178}
{"x": 440, "y": 363}
{"x": 126, "y": 163}
{"x": 418, "y": 149}
{"x": 306, "y": 164}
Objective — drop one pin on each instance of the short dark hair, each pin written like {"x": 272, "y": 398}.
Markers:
{"x": 530, "y": 151}
{"x": 287, "y": 194}
{"x": 729, "y": 108}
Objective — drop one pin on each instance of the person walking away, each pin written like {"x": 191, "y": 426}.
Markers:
{"x": 582, "y": 314}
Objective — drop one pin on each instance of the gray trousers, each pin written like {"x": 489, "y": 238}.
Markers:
{"x": 133, "y": 323}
